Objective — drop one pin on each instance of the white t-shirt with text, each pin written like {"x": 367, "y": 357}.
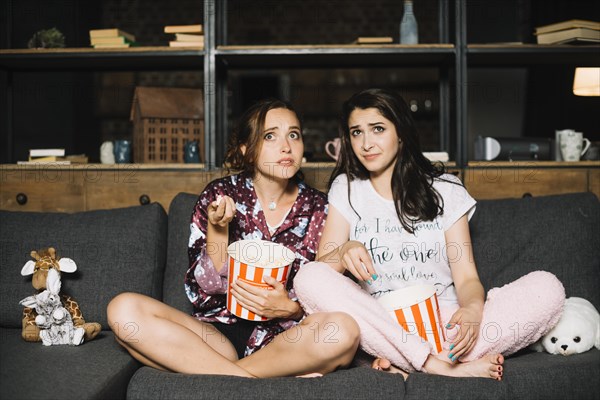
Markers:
{"x": 402, "y": 259}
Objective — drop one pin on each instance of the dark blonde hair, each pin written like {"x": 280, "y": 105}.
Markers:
{"x": 248, "y": 132}
{"x": 415, "y": 198}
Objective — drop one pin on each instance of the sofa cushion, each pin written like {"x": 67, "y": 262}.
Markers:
{"x": 180, "y": 217}
{"x": 115, "y": 250}
{"x": 526, "y": 376}
{"x": 99, "y": 369}
{"x": 355, "y": 383}
{"x": 559, "y": 234}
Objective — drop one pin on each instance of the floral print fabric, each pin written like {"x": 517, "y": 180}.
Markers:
{"x": 300, "y": 231}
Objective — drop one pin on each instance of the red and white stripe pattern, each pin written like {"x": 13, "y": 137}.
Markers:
{"x": 254, "y": 276}
{"x": 423, "y": 319}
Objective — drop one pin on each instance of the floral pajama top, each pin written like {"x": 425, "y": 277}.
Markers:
{"x": 300, "y": 231}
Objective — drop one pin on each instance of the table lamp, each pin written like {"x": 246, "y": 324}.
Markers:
{"x": 587, "y": 82}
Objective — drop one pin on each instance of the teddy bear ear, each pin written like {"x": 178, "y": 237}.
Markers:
{"x": 67, "y": 265}
{"x": 28, "y": 268}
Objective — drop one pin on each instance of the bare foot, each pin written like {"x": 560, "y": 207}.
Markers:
{"x": 383, "y": 364}
{"x": 488, "y": 366}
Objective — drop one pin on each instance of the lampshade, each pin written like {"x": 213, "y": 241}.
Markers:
{"x": 587, "y": 82}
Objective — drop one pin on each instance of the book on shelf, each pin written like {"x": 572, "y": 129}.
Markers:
{"x": 40, "y": 162}
{"x": 173, "y": 43}
{"x": 109, "y": 40}
{"x": 46, "y": 152}
{"x": 183, "y": 28}
{"x": 435, "y": 156}
{"x": 569, "y": 35}
{"x": 112, "y": 46}
{"x": 112, "y": 32}
{"x": 374, "y": 40}
{"x": 188, "y": 37}
{"x": 572, "y": 23}
{"x": 70, "y": 159}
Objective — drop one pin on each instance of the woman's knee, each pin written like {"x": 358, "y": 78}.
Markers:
{"x": 123, "y": 309}
{"x": 312, "y": 279}
{"x": 334, "y": 336}
{"x": 547, "y": 286}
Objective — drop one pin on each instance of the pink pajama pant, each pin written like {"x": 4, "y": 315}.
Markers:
{"x": 514, "y": 316}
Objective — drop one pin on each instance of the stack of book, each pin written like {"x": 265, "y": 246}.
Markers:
{"x": 186, "y": 35}
{"x": 111, "y": 38}
{"x": 54, "y": 156}
{"x": 572, "y": 31}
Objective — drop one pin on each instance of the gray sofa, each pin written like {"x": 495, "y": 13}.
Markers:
{"x": 141, "y": 249}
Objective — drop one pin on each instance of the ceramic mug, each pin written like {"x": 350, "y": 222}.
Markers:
{"x": 571, "y": 145}
{"x": 191, "y": 154}
{"x": 333, "y": 147}
{"x": 122, "y": 151}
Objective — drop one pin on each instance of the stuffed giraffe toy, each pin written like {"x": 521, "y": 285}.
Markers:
{"x": 46, "y": 260}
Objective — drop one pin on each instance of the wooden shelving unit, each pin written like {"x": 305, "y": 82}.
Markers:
{"x": 452, "y": 57}
{"x": 86, "y": 58}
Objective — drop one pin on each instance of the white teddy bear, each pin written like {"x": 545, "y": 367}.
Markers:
{"x": 577, "y": 331}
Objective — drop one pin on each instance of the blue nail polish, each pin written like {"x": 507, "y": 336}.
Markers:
{"x": 450, "y": 355}
{"x": 369, "y": 281}
{"x": 374, "y": 277}
{"x": 451, "y": 346}
{"x": 448, "y": 326}
{"x": 454, "y": 358}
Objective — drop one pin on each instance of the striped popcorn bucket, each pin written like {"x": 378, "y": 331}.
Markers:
{"x": 417, "y": 310}
{"x": 249, "y": 261}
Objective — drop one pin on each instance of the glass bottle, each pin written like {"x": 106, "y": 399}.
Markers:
{"x": 409, "y": 30}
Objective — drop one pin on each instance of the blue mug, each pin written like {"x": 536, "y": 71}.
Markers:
{"x": 122, "y": 150}
{"x": 191, "y": 153}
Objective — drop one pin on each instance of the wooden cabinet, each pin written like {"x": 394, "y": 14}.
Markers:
{"x": 93, "y": 187}
{"x": 515, "y": 180}
{"x": 72, "y": 188}
{"x": 39, "y": 188}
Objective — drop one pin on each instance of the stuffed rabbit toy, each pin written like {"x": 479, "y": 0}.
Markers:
{"x": 53, "y": 319}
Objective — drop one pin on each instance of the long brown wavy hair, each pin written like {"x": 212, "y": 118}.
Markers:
{"x": 249, "y": 133}
{"x": 415, "y": 199}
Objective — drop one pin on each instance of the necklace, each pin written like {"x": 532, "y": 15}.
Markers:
{"x": 272, "y": 206}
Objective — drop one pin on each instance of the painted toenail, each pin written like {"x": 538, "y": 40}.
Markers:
{"x": 450, "y": 355}
{"x": 374, "y": 276}
{"x": 448, "y": 326}
{"x": 454, "y": 358}
{"x": 451, "y": 346}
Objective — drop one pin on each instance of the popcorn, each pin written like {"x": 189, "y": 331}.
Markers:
{"x": 250, "y": 261}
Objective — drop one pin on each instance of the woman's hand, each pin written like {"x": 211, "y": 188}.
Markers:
{"x": 268, "y": 303}
{"x": 355, "y": 258}
{"x": 221, "y": 211}
{"x": 469, "y": 319}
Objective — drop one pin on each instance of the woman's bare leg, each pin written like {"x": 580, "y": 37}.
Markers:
{"x": 139, "y": 356}
{"x": 321, "y": 343}
{"x": 161, "y": 336}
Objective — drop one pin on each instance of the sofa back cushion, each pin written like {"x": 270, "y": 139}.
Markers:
{"x": 559, "y": 234}
{"x": 180, "y": 217}
{"x": 115, "y": 251}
